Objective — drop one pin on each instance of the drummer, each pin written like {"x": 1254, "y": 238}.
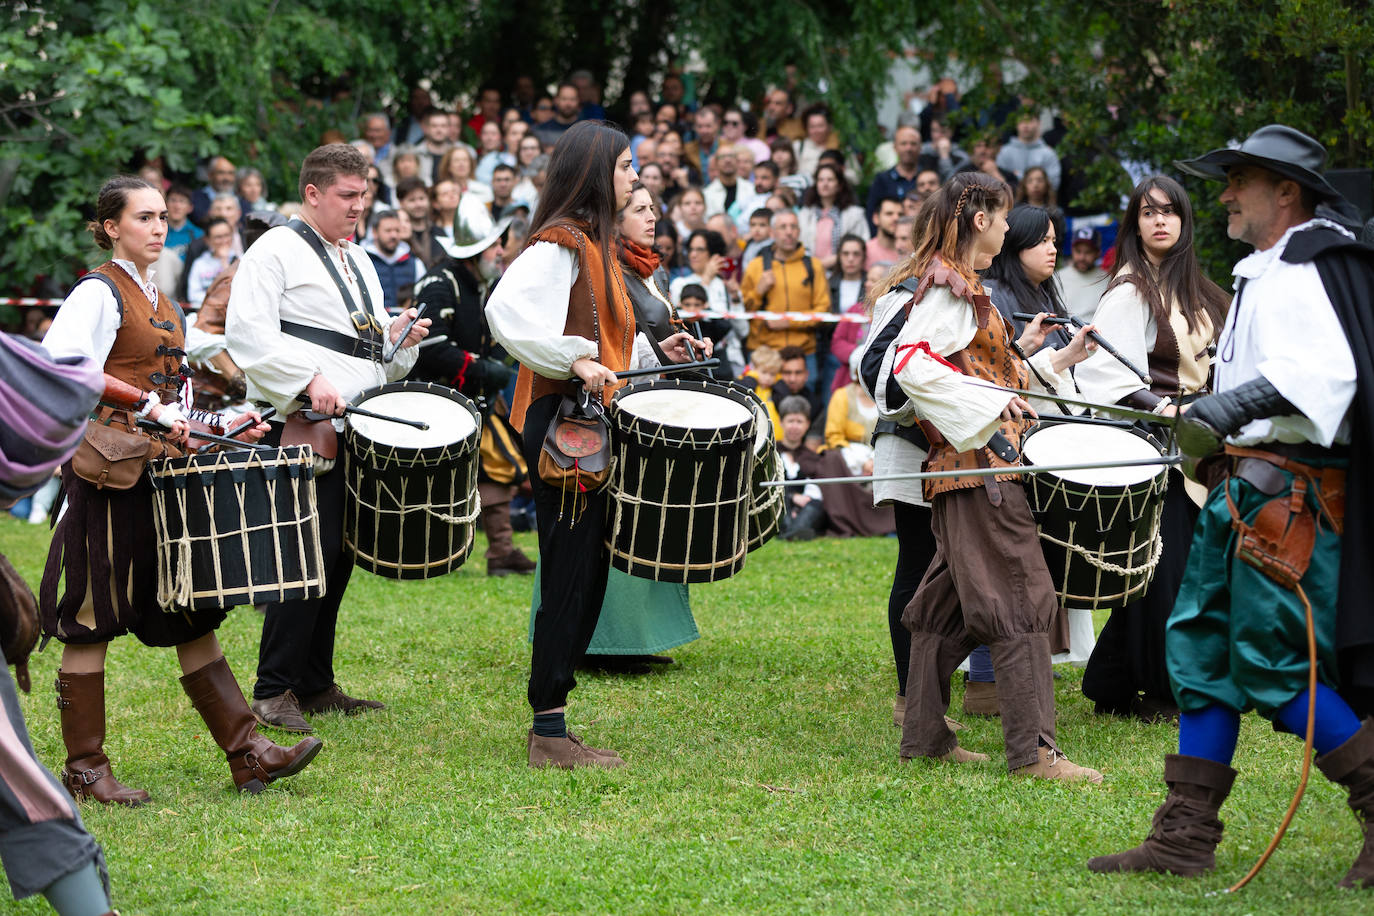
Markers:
{"x": 562, "y": 309}
{"x": 115, "y": 317}
{"x": 307, "y": 326}
{"x": 988, "y": 581}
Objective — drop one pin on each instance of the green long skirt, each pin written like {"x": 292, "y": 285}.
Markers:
{"x": 638, "y": 616}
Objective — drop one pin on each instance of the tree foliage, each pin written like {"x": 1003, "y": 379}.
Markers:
{"x": 90, "y": 87}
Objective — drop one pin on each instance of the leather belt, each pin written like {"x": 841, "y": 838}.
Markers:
{"x": 333, "y": 340}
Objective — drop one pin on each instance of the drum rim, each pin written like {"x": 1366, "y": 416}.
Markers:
{"x": 1047, "y": 422}
{"x": 729, "y": 391}
{"x": 352, "y": 434}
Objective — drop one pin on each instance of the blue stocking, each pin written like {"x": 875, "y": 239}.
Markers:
{"x": 1336, "y": 721}
{"x": 1209, "y": 732}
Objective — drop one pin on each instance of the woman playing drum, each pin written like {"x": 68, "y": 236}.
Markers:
{"x": 988, "y": 582}
{"x": 1159, "y": 308}
{"x": 563, "y": 311}
{"x": 103, "y": 542}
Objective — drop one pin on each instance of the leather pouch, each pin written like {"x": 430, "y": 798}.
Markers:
{"x": 576, "y": 456}
{"x": 318, "y": 434}
{"x": 112, "y": 457}
{"x": 1280, "y": 541}
{"x": 18, "y": 622}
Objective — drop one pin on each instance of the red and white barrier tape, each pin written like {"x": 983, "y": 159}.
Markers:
{"x": 824, "y": 317}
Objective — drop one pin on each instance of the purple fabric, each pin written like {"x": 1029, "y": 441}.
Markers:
{"x": 43, "y": 409}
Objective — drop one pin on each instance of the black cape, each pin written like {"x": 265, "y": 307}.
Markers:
{"x": 1346, "y": 267}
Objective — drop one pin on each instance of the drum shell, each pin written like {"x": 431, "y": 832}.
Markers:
{"x": 1117, "y": 525}
{"x": 411, "y": 512}
{"x": 236, "y": 527}
{"x": 680, "y": 496}
{"x": 765, "y": 503}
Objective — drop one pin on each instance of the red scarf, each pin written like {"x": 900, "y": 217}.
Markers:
{"x": 643, "y": 261}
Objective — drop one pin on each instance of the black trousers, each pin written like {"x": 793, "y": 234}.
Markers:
{"x": 915, "y": 551}
{"x": 573, "y": 564}
{"x": 297, "y": 649}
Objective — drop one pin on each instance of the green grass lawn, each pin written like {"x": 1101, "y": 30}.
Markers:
{"x": 762, "y": 775}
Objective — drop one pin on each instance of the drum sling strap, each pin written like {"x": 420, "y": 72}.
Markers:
{"x": 368, "y": 344}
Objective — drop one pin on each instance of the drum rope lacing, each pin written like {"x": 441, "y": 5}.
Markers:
{"x": 176, "y": 588}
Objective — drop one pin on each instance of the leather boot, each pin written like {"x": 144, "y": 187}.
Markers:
{"x": 1352, "y": 765}
{"x": 254, "y": 760}
{"x": 567, "y": 753}
{"x": 980, "y": 699}
{"x": 87, "y": 774}
{"x": 1186, "y": 829}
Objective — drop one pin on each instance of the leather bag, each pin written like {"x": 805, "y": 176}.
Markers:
{"x": 112, "y": 457}
{"x": 576, "y": 456}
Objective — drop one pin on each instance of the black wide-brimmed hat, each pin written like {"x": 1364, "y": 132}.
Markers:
{"x": 1280, "y": 149}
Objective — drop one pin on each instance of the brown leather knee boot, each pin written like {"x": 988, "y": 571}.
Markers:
{"x": 253, "y": 759}
{"x": 1186, "y": 828}
{"x": 1352, "y": 765}
{"x": 87, "y": 774}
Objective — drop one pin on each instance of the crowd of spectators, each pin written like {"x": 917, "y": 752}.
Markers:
{"x": 766, "y": 207}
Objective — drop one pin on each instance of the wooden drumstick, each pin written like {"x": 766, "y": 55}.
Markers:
{"x": 1097, "y": 339}
{"x": 675, "y": 367}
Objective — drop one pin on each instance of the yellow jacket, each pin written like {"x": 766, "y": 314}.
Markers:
{"x": 792, "y": 292}
{"x": 844, "y": 425}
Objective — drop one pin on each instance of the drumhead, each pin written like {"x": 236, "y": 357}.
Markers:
{"x": 684, "y": 408}
{"x": 449, "y": 421}
{"x": 1078, "y": 443}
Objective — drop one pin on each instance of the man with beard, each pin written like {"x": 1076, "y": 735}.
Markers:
{"x": 398, "y": 270}
{"x": 461, "y": 353}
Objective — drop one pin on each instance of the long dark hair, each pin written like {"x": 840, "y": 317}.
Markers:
{"x": 844, "y": 194}
{"x": 1027, "y": 226}
{"x": 1178, "y": 276}
{"x": 944, "y": 226}
{"x": 580, "y": 183}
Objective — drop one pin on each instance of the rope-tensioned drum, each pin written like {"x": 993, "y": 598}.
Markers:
{"x": 1099, "y": 528}
{"x": 236, "y": 527}
{"x": 680, "y": 482}
{"x": 412, "y": 494}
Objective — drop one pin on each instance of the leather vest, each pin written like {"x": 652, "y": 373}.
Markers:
{"x": 989, "y": 357}
{"x": 594, "y": 312}
{"x": 148, "y": 349}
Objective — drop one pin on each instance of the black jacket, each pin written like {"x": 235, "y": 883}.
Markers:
{"x": 459, "y": 351}
{"x": 1346, "y": 268}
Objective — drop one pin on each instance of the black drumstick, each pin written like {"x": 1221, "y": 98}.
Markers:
{"x": 348, "y": 408}
{"x": 155, "y": 426}
{"x": 675, "y": 367}
{"x": 242, "y": 427}
{"x": 392, "y": 348}
{"x": 1097, "y": 339}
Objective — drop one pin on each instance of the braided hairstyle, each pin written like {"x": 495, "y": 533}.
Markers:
{"x": 110, "y": 204}
{"x": 945, "y": 227}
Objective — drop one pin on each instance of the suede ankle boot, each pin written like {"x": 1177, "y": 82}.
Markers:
{"x": 1186, "y": 829}
{"x": 568, "y": 753}
{"x": 1352, "y": 765}
{"x": 254, "y": 760}
{"x": 87, "y": 774}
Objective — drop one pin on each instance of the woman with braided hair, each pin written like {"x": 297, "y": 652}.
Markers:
{"x": 988, "y": 582}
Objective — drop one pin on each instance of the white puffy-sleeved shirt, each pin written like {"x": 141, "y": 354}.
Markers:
{"x": 282, "y": 278}
{"x": 89, "y": 319}
{"x": 964, "y": 411}
{"x": 528, "y": 311}
{"x": 1282, "y": 326}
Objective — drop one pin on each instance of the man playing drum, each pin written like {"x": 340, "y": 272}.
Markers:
{"x": 307, "y": 326}
{"x": 1267, "y": 560}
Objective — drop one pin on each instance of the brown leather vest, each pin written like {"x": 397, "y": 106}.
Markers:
{"x": 594, "y": 312}
{"x": 989, "y": 357}
{"x": 135, "y": 356}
